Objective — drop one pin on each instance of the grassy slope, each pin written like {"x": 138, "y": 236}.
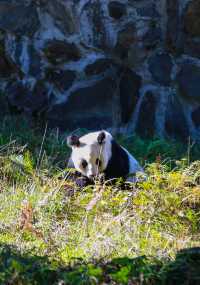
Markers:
{"x": 52, "y": 232}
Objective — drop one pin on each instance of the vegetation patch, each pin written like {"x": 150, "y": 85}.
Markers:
{"x": 52, "y": 232}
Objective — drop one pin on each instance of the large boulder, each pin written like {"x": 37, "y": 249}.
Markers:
{"x": 148, "y": 10}
{"x": 192, "y": 47}
{"x": 191, "y": 27}
{"x": 22, "y": 99}
{"x": 92, "y": 24}
{"x": 173, "y": 32}
{"x": 175, "y": 121}
{"x": 7, "y": 67}
{"x": 160, "y": 66}
{"x": 188, "y": 81}
{"x": 19, "y": 17}
{"x": 183, "y": 27}
{"x": 196, "y": 117}
{"x": 99, "y": 66}
{"x": 87, "y": 107}
{"x": 192, "y": 19}
{"x": 97, "y": 63}
{"x": 58, "y": 52}
{"x": 116, "y": 9}
{"x": 129, "y": 86}
{"x": 60, "y": 13}
{"x": 125, "y": 39}
{"x": 17, "y": 95}
{"x": 152, "y": 37}
{"x": 62, "y": 79}
{"x": 96, "y": 105}
{"x": 146, "y": 117}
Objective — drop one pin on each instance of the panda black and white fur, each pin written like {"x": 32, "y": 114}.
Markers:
{"x": 98, "y": 153}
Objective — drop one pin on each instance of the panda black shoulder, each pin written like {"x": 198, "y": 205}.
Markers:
{"x": 118, "y": 164}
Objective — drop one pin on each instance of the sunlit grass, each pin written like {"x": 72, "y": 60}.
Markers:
{"x": 44, "y": 214}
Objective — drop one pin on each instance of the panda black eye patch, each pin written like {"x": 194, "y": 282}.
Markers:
{"x": 98, "y": 162}
{"x": 84, "y": 163}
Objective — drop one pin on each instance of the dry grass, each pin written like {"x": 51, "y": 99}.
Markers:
{"x": 44, "y": 215}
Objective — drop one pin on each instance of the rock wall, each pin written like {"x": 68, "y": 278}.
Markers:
{"x": 127, "y": 65}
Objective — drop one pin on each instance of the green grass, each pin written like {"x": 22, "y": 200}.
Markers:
{"x": 52, "y": 232}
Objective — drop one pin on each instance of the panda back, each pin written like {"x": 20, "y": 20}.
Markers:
{"x": 118, "y": 164}
{"x": 134, "y": 166}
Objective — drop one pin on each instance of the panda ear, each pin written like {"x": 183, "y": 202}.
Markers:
{"x": 101, "y": 137}
{"x": 73, "y": 140}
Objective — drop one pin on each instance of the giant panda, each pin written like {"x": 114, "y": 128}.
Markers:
{"x": 98, "y": 153}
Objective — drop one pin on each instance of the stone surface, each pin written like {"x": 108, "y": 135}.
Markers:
{"x": 61, "y": 14}
{"x": 160, "y": 66}
{"x": 146, "y": 119}
{"x": 175, "y": 124}
{"x": 5, "y": 110}
{"x": 58, "y": 52}
{"x": 126, "y": 38}
{"x": 35, "y": 67}
{"x": 173, "y": 27}
{"x": 192, "y": 47}
{"x": 188, "y": 80}
{"x": 99, "y": 66}
{"x": 92, "y": 24}
{"x": 130, "y": 84}
{"x": 62, "y": 79}
{"x": 19, "y": 18}
{"x": 100, "y": 63}
{"x": 149, "y": 10}
{"x": 196, "y": 117}
{"x": 192, "y": 19}
{"x": 116, "y": 9}
{"x": 152, "y": 37}
{"x": 88, "y": 107}
{"x": 7, "y": 68}
{"x": 23, "y": 99}
{"x": 17, "y": 95}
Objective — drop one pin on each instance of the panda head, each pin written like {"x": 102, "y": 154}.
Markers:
{"x": 91, "y": 152}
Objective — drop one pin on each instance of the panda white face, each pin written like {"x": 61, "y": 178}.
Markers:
{"x": 91, "y": 153}
{"x": 88, "y": 160}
